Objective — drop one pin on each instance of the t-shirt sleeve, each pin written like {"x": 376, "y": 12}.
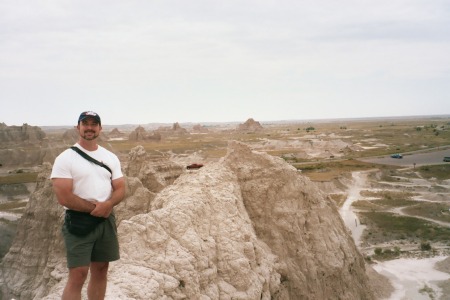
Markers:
{"x": 116, "y": 170}
{"x": 61, "y": 167}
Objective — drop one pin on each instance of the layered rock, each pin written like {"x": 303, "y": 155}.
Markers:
{"x": 27, "y": 156}
{"x": 318, "y": 258}
{"x": 20, "y": 134}
{"x": 71, "y": 135}
{"x": 250, "y": 126}
{"x": 140, "y": 134}
{"x": 154, "y": 174}
{"x": 22, "y": 145}
{"x": 31, "y": 266}
{"x": 246, "y": 227}
{"x": 146, "y": 177}
{"x": 176, "y": 129}
{"x": 197, "y": 128}
{"x": 116, "y": 134}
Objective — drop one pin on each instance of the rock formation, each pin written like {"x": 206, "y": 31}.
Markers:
{"x": 116, "y": 134}
{"x": 20, "y": 134}
{"x": 154, "y": 174}
{"x": 246, "y": 227}
{"x": 70, "y": 135}
{"x": 197, "y": 128}
{"x": 317, "y": 257}
{"x": 30, "y": 156}
{"x": 35, "y": 261}
{"x": 146, "y": 177}
{"x": 140, "y": 134}
{"x": 250, "y": 126}
{"x": 176, "y": 129}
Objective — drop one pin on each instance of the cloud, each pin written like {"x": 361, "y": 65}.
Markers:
{"x": 272, "y": 57}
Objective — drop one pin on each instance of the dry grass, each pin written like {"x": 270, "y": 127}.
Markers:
{"x": 367, "y": 205}
{"x": 388, "y": 227}
{"x": 328, "y": 171}
{"x": 432, "y": 210}
{"x": 440, "y": 172}
{"x": 18, "y": 178}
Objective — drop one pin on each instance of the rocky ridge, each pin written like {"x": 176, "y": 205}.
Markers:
{"x": 246, "y": 227}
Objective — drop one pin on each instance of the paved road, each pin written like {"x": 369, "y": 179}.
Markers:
{"x": 408, "y": 160}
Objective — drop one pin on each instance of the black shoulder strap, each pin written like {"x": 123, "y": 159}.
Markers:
{"x": 91, "y": 159}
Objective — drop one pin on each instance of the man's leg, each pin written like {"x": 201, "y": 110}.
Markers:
{"x": 98, "y": 280}
{"x": 106, "y": 249}
{"x": 77, "y": 277}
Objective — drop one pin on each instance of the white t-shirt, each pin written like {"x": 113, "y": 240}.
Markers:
{"x": 90, "y": 181}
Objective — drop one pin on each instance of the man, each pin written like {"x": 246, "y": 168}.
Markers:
{"x": 83, "y": 186}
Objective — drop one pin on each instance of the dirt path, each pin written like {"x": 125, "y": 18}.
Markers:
{"x": 351, "y": 220}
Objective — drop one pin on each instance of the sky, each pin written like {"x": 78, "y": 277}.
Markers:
{"x": 166, "y": 61}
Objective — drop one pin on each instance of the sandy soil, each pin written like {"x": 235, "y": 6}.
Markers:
{"x": 415, "y": 278}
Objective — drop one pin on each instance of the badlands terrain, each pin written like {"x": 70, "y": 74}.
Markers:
{"x": 395, "y": 210}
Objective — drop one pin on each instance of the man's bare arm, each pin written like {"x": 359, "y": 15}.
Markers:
{"x": 104, "y": 209}
{"x": 63, "y": 191}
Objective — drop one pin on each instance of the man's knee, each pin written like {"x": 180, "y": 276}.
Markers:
{"x": 99, "y": 268}
{"x": 78, "y": 275}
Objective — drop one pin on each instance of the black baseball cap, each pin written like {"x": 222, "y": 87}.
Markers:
{"x": 89, "y": 114}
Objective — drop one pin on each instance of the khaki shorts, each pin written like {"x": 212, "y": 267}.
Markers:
{"x": 100, "y": 245}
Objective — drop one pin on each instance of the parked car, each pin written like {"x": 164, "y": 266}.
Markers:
{"x": 397, "y": 155}
{"x": 447, "y": 158}
{"x": 194, "y": 166}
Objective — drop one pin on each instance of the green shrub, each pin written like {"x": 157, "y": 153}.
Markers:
{"x": 425, "y": 246}
{"x": 388, "y": 251}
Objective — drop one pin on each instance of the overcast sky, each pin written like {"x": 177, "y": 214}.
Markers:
{"x": 212, "y": 61}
